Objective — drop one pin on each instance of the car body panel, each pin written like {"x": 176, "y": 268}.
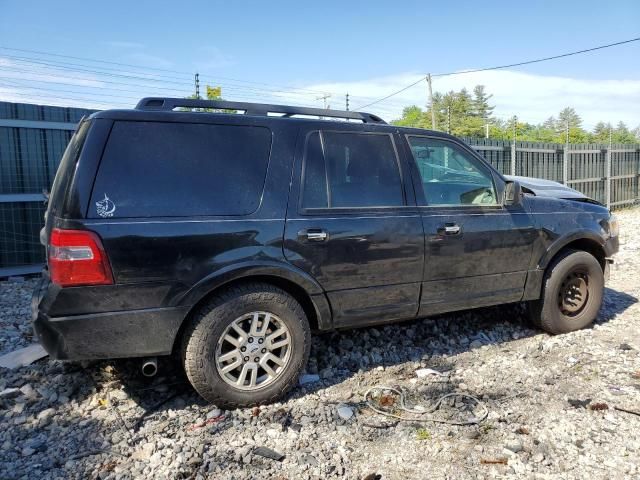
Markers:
{"x": 378, "y": 265}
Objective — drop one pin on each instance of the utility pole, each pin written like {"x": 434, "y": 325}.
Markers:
{"x": 567, "y": 157}
{"x": 197, "y": 84}
{"x": 347, "y": 101}
{"x": 448, "y": 120}
{"x": 486, "y": 130}
{"x": 610, "y": 137}
{"x": 324, "y": 100}
{"x": 433, "y": 113}
{"x": 513, "y": 145}
{"x": 608, "y": 171}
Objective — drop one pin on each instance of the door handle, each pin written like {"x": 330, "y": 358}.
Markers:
{"x": 313, "y": 235}
{"x": 449, "y": 229}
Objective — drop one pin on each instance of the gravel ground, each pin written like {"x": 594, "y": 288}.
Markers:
{"x": 546, "y": 398}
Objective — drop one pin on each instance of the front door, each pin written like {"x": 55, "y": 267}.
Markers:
{"x": 477, "y": 250}
{"x": 349, "y": 225}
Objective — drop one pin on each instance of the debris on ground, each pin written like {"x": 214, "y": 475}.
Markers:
{"x": 577, "y": 403}
{"x": 23, "y": 356}
{"x": 308, "y": 378}
{"x": 494, "y": 461}
{"x": 376, "y": 397}
{"x": 425, "y": 372}
{"x": 345, "y": 412}
{"x": 268, "y": 453}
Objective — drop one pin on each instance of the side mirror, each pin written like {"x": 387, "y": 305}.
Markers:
{"x": 512, "y": 193}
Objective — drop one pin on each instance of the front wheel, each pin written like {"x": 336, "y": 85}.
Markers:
{"x": 246, "y": 347}
{"x": 572, "y": 293}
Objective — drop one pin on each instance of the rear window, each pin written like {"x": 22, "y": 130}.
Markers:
{"x": 153, "y": 169}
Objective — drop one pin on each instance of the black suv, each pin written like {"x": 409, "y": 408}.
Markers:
{"x": 229, "y": 233}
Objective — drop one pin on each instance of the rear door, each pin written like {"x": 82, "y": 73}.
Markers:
{"x": 477, "y": 250}
{"x": 353, "y": 225}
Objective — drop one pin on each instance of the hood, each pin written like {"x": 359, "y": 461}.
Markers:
{"x": 547, "y": 188}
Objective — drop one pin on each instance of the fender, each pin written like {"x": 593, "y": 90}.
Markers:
{"x": 275, "y": 269}
{"x": 565, "y": 240}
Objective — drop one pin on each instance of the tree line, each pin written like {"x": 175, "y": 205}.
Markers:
{"x": 471, "y": 115}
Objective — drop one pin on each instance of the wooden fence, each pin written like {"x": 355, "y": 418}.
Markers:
{"x": 33, "y": 138}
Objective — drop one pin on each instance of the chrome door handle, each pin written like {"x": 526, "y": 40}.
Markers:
{"x": 314, "y": 235}
{"x": 449, "y": 229}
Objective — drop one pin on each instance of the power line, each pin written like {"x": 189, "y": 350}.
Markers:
{"x": 86, "y": 79}
{"x": 393, "y": 94}
{"x": 35, "y": 84}
{"x": 59, "y": 65}
{"x": 56, "y": 66}
{"x": 92, "y": 60}
{"x": 190, "y": 75}
{"x": 78, "y": 85}
{"x": 528, "y": 62}
{"x": 45, "y": 63}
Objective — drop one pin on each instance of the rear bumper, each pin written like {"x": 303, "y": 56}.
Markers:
{"x": 133, "y": 333}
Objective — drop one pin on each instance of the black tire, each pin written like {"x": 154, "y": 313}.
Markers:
{"x": 201, "y": 337}
{"x": 550, "y": 312}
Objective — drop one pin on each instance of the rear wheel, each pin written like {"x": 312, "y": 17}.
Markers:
{"x": 572, "y": 293}
{"x": 247, "y": 346}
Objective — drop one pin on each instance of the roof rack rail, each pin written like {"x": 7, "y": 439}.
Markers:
{"x": 168, "y": 104}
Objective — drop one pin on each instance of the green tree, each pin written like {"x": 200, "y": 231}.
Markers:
{"x": 412, "y": 116}
{"x": 550, "y": 123}
{"x": 468, "y": 115}
{"x": 568, "y": 116}
{"x": 621, "y": 134}
{"x": 480, "y": 103}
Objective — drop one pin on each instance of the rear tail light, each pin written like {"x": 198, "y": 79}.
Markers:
{"x": 76, "y": 257}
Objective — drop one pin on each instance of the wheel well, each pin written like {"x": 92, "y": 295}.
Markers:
{"x": 293, "y": 289}
{"x": 586, "y": 245}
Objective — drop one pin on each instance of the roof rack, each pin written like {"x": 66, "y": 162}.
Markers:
{"x": 168, "y": 104}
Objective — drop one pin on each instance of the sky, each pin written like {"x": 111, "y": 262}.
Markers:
{"x": 296, "y": 52}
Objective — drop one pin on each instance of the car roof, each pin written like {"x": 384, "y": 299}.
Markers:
{"x": 162, "y": 109}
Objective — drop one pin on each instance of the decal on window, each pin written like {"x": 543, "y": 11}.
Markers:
{"x": 105, "y": 207}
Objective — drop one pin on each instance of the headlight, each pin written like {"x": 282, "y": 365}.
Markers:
{"x": 614, "y": 229}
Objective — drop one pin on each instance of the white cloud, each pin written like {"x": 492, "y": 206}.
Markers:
{"x": 532, "y": 97}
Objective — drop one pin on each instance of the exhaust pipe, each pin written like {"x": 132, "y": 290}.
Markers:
{"x": 150, "y": 367}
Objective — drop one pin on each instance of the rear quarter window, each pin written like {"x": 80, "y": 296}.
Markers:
{"x": 153, "y": 169}
{"x": 67, "y": 167}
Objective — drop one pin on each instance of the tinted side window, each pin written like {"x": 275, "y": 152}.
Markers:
{"x": 359, "y": 170}
{"x": 176, "y": 169}
{"x": 451, "y": 176}
{"x": 315, "y": 176}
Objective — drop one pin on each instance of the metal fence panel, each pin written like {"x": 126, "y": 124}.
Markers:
{"x": 32, "y": 141}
